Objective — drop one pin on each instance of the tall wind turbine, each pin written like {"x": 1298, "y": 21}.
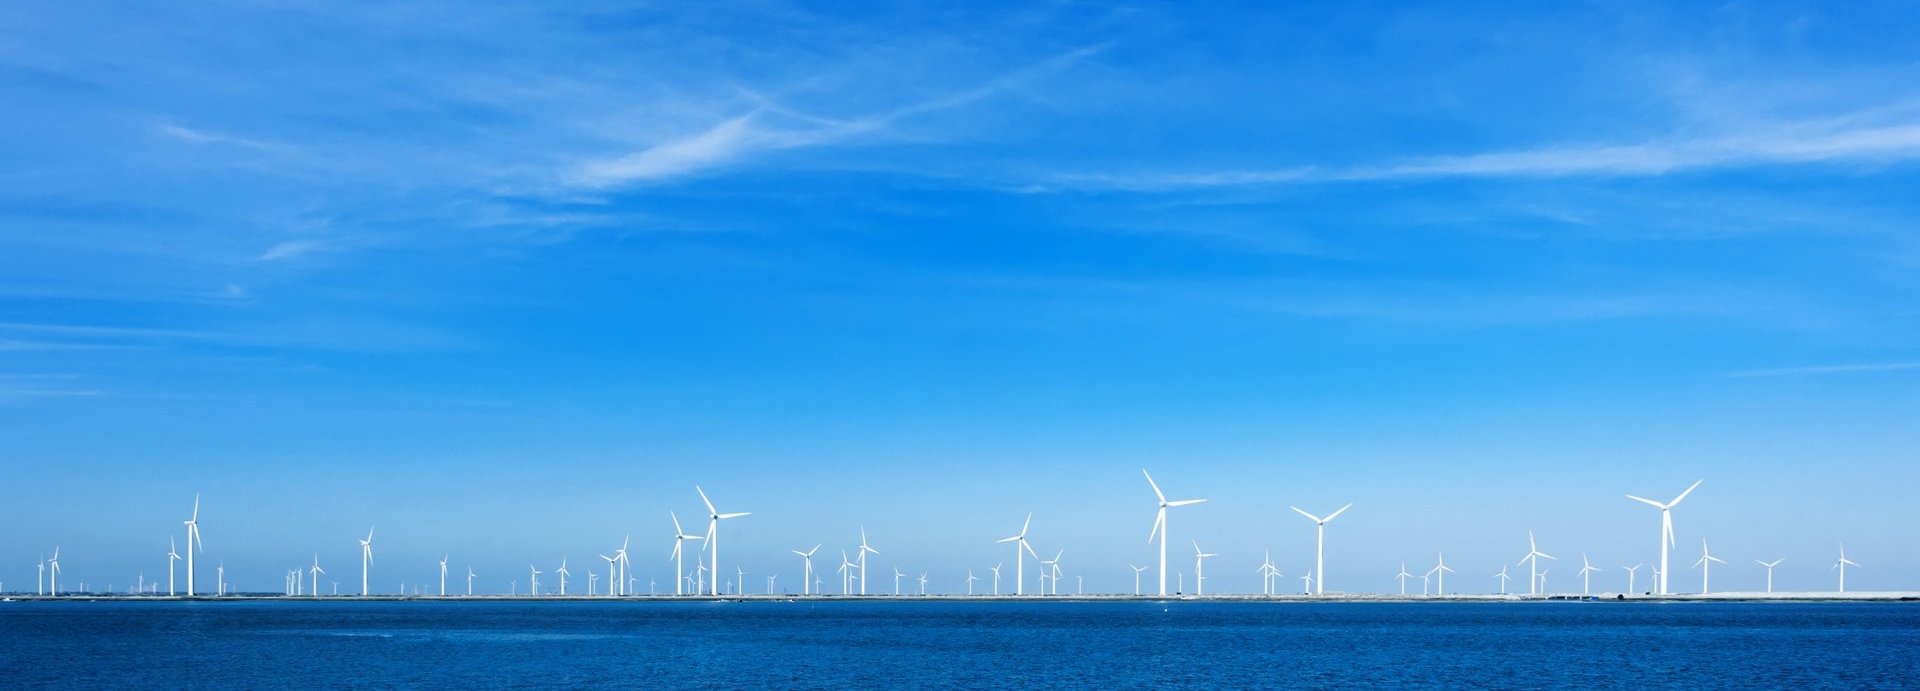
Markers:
{"x": 808, "y": 556}
{"x": 193, "y": 540}
{"x": 533, "y": 582}
{"x": 846, "y": 574}
{"x": 315, "y": 572}
{"x": 1199, "y": 570}
{"x": 1320, "y": 549}
{"x": 563, "y": 573}
{"x": 1019, "y": 562}
{"x": 620, "y": 559}
{"x": 1666, "y": 529}
{"x": 1707, "y": 560}
{"x": 172, "y": 556}
{"x": 1503, "y": 578}
{"x": 1160, "y": 525}
{"x": 896, "y": 580}
{"x": 970, "y": 580}
{"x": 1586, "y": 575}
{"x": 470, "y": 576}
{"x": 1532, "y": 560}
{"x": 1630, "y": 574}
{"x": 866, "y": 549}
{"x": 1769, "y": 565}
{"x": 366, "y": 559}
{"x": 714, "y": 517}
{"x": 1440, "y": 572}
{"x": 443, "y": 575}
{"x": 996, "y": 577}
{"x": 680, "y": 537}
{"x": 53, "y": 572}
{"x": 1402, "y": 577}
{"x": 1841, "y": 565}
{"x": 1136, "y": 577}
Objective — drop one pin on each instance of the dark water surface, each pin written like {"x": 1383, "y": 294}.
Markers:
{"x": 879, "y": 645}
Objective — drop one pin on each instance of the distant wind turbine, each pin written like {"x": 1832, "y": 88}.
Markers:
{"x": 1840, "y": 565}
{"x": 1199, "y": 570}
{"x": 533, "y": 581}
{"x": 808, "y": 557}
{"x": 1769, "y": 565}
{"x": 1440, "y": 571}
{"x": 172, "y": 556}
{"x": 1532, "y": 560}
{"x": 1586, "y": 575}
{"x": 1630, "y": 575}
{"x": 680, "y": 537}
{"x": 1019, "y": 561}
{"x": 1666, "y": 529}
{"x": 193, "y": 541}
{"x": 970, "y": 580}
{"x": 866, "y": 549}
{"x": 896, "y": 580}
{"x": 366, "y": 560}
{"x": 443, "y": 577}
{"x": 1160, "y": 526}
{"x": 714, "y": 517}
{"x": 315, "y": 572}
{"x": 561, "y": 572}
{"x": 1402, "y": 577}
{"x": 1137, "y": 570}
{"x": 1503, "y": 578}
{"x": 1705, "y": 564}
{"x": 1320, "y": 548}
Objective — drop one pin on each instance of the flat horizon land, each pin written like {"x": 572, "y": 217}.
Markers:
{"x": 1887, "y": 596}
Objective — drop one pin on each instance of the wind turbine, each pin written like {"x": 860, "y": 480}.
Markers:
{"x": 1320, "y": 550}
{"x": 1707, "y": 560}
{"x": 808, "y": 556}
{"x": 739, "y": 580}
{"x": 896, "y": 580}
{"x": 714, "y": 517}
{"x": 443, "y": 576}
{"x": 592, "y": 578}
{"x": 1769, "y": 565}
{"x": 40, "y": 578}
{"x": 970, "y": 580}
{"x": 366, "y": 559}
{"x": 680, "y": 537}
{"x": 1402, "y": 577}
{"x": 1666, "y": 529}
{"x": 1019, "y": 562}
{"x": 315, "y": 572}
{"x": 1586, "y": 575}
{"x": 562, "y": 572}
{"x": 1199, "y": 570}
{"x": 1137, "y": 570}
{"x": 846, "y": 574}
{"x": 1440, "y": 571}
{"x": 172, "y": 556}
{"x": 770, "y": 579}
{"x": 193, "y": 540}
{"x": 470, "y": 575}
{"x": 1053, "y": 566}
{"x": 1503, "y": 578}
{"x": 866, "y": 549}
{"x": 996, "y": 577}
{"x": 220, "y": 579}
{"x": 1532, "y": 560}
{"x": 1306, "y": 582}
{"x": 620, "y": 557}
{"x": 612, "y": 584}
{"x": 1841, "y": 565}
{"x": 923, "y": 584}
{"x": 533, "y": 582}
{"x": 53, "y": 569}
{"x": 1630, "y": 574}
{"x": 1160, "y": 526}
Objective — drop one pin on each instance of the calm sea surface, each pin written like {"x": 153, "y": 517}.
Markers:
{"x": 881, "y": 645}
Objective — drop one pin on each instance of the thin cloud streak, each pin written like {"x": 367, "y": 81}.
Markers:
{"x": 1822, "y": 370}
{"x": 1787, "y": 146}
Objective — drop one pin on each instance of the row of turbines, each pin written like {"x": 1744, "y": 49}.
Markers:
{"x": 706, "y": 576}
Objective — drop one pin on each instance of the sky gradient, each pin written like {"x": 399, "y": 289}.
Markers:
{"x": 506, "y": 282}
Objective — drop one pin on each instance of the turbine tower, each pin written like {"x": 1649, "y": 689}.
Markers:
{"x": 1320, "y": 549}
{"x": 1402, "y": 577}
{"x": 172, "y": 557}
{"x": 1769, "y": 565}
{"x": 1136, "y": 578}
{"x": 366, "y": 559}
{"x": 1160, "y": 526}
{"x": 1503, "y": 578}
{"x": 808, "y": 556}
{"x": 1586, "y": 575}
{"x": 1841, "y": 565}
{"x": 1439, "y": 573}
{"x": 714, "y": 517}
{"x": 470, "y": 576}
{"x": 866, "y": 549}
{"x": 193, "y": 540}
{"x": 443, "y": 576}
{"x": 315, "y": 572}
{"x": 1199, "y": 570}
{"x": 1019, "y": 562}
{"x": 1705, "y": 564}
{"x": 1532, "y": 560}
{"x": 1630, "y": 575}
{"x": 562, "y": 572}
{"x": 680, "y": 537}
{"x": 1666, "y": 530}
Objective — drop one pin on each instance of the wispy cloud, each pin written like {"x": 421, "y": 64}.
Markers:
{"x": 290, "y": 249}
{"x": 761, "y": 131}
{"x": 1817, "y": 370}
{"x": 199, "y": 136}
{"x": 1801, "y": 144}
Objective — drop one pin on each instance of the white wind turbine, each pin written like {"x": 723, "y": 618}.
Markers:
{"x": 533, "y": 582}
{"x": 40, "y": 578}
{"x": 1402, "y": 577}
{"x": 1705, "y": 564}
{"x": 1666, "y": 530}
{"x": 612, "y": 583}
{"x": 1630, "y": 575}
{"x": 1532, "y": 560}
{"x": 996, "y": 577}
{"x": 1199, "y": 570}
{"x": 680, "y": 537}
{"x": 193, "y": 541}
{"x": 923, "y": 584}
{"x": 714, "y": 517}
{"x": 1019, "y": 561}
{"x": 443, "y": 575}
{"x": 1320, "y": 549}
{"x": 470, "y": 576}
{"x": 315, "y": 572}
{"x": 1053, "y": 566}
{"x": 846, "y": 574}
{"x": 366, "y": 559}
{"x": 1440, "y": 571}
{"x": 1503, "y": 578}
{"x": 739, "y": 580}
{"x": 1841, "y": 565}
{"x": 866, "y": 549}
{"x": 592, "y": 578}
{"x": 1769, "y": 565}
{"x": 53, "y": 572}
{"x": 896, "y": 580}
{"x": 563, "y": 573}
{"x": 620, "y": 558}
{"x": 1586, "y": 575}
{"x": 1160, "y": 526}
{"x": 970, "y": 580}
{"x": 172, "y": 557}
{"x": 1137, "y": 570}
{"x": 808, "y": 557}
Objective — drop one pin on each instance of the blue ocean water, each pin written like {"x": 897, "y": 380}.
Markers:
{"x": 865, "y": 645}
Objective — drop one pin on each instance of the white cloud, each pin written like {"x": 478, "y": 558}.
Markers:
{"x": 1823, "y": 369}
{"x": 290, "y": 249}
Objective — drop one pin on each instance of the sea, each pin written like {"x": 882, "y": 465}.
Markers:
{"x": 939, "y": 644}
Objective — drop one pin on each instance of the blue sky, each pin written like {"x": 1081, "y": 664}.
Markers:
{"x": 507, "y": 281}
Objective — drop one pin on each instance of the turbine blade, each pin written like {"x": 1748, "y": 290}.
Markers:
{"x": 1683, "y": 495}
{"x": 704, "y": 500}
{"x": 1336, "y": 514}
{"x": 1309, "y": 516}
{"x": 735, "y": 515}
{"x": 1647, "y": 501}
{"x": 1186, "y": 502}
{"x": 1156, "y": 487}
{"x": 1159, "y": 519}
